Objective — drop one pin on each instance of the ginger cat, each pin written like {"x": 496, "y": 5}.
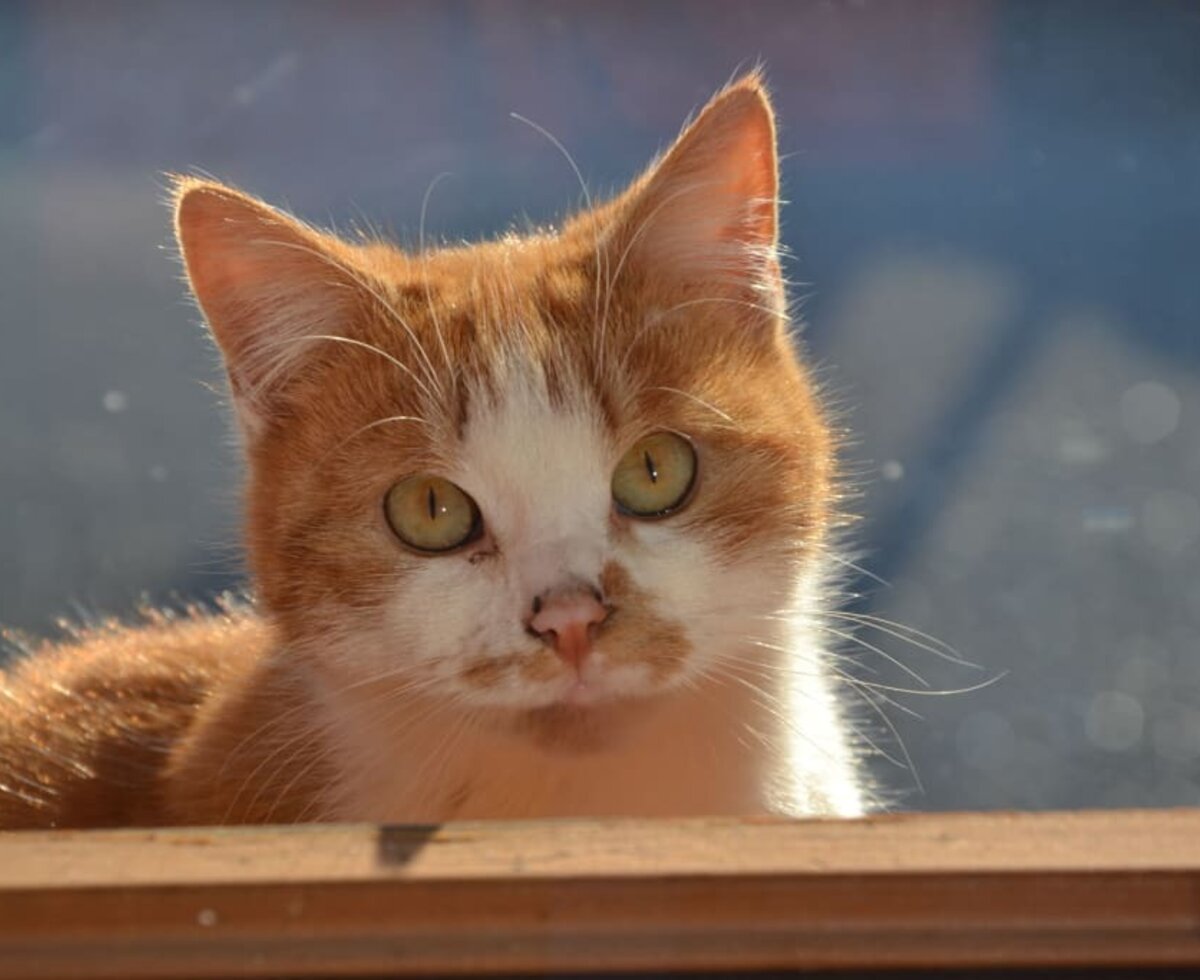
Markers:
{"x": 538, "y": 527}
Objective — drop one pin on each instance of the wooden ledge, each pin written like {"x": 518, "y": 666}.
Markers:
{"x": 1117, "y": 888}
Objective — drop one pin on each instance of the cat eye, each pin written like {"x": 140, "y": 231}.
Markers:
{"x": 655, "y": 476}
{"x": 432, "y": 515}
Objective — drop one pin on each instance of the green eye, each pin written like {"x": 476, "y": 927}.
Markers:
{"x": 430, "y": 514}
{"x": 655, "y": 476}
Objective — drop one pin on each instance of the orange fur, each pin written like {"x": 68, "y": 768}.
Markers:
{"x": 353, "y": 364}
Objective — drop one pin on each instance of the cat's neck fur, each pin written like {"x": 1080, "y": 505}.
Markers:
{"x": 663, "y": 764}
{"x": 771, "y": 740}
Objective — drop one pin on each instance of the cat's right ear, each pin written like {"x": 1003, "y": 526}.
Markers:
{"x": 705, "y": 216}
{"x": 268, "y": 285}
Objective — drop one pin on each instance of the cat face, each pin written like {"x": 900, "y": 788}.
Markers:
{"x": 543, "y": 474}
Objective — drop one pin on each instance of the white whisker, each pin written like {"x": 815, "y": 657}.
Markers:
{"x": 694, "y": 398}
{"x": 361, "y": 282}
{"x": 437, "y": 327}
{"x": 587, "y": 199}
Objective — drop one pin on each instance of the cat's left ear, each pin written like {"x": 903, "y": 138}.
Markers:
{"x": 706, "y": 215}
{"x": 270, "y": 288}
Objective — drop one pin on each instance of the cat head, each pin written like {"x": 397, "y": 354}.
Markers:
{"x": 574, "y": 467}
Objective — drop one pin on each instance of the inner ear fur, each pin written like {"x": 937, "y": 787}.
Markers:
{"x": 706, "y": 213}
{"x": 265, "y": 282}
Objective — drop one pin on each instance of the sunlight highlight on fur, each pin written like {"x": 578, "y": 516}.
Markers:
{"x": 551, "y": 648}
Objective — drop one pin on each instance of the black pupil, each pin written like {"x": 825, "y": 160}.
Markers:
{"x": 650, "y": 467}
{"x": 432, "y": 504}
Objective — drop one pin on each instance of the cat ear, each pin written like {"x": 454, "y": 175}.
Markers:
{"x": 705, "y": 214}
{"x": 268, "y": 286}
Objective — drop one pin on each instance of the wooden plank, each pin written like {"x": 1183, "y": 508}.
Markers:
{"x": 1092, "y": 888}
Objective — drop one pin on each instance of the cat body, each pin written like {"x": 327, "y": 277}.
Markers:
{"x": 538, "y": 527}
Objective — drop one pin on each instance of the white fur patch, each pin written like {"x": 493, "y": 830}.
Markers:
{"x": 540, "y": 473}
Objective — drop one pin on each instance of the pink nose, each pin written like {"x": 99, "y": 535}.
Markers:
{"x": 566, "y": 621}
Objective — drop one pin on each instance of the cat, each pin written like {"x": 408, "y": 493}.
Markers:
{"x": 537, "y": 527}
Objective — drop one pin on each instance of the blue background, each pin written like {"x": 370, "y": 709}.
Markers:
{"x": 994, "y": 213}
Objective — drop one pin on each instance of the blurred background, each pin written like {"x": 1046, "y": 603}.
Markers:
{"x": 994, "y": 213}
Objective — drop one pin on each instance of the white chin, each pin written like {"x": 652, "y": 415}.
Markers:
{"x": 581, "y": 693}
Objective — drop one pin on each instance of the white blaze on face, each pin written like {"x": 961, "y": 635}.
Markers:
{"x": 540, "y": 475}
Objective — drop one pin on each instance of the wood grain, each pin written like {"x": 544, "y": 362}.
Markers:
{"x": 1090, "y": 888}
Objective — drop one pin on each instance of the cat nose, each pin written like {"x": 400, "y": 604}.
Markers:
{"x": 567, "y": 621}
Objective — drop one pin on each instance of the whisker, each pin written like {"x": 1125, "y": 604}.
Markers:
{"x": 729, "y": 300}
{"x": 587, "y": 199}
{"x": 695, "y": 398}
{"x": 847, "y": 563}
{"x": 437, "y": 327}
{"x": 335, "y": 338}
{"x": 257, "y": 733}
{"x": 939, "y": 693}
{"x": 303, "y": 739}
{"x": 723, "y": 670}
{"x": 366, "y": 428}
{"x": 362, "y": 283}
{"x": 855, "y": 730}
{"x": 901, "y": 632}
{"x": 860, "y": 642}
{"x": 661, "y": 318}
{"x": 301, "y": 771}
